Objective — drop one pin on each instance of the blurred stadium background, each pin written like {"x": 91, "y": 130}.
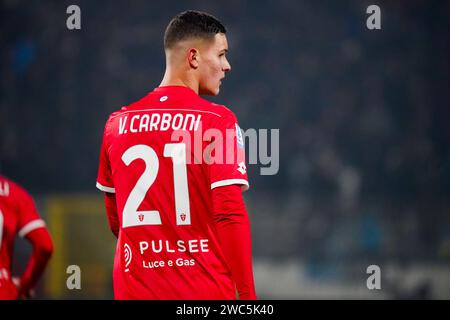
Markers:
{"x": 364, "y": 134}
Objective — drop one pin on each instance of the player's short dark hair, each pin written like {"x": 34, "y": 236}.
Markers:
{"x": 191, "y": 24}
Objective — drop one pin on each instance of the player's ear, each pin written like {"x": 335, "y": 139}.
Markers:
{"x": 193, "y": 56}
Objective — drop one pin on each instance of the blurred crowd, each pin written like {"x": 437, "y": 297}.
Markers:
{"x": 363, "y": 115}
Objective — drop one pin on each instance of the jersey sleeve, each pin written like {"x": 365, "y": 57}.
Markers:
{"x": 104, "y": 176}
{"x": 28, "y": 216}
{"x": 229, "y": 166}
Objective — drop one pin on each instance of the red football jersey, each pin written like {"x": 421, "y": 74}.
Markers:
{"x": 18, "y": 215}
{"x": 162, "y": 156}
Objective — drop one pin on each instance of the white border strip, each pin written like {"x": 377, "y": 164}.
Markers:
{"x": 228, "y": 182}
{"x": 105, "y": 189}
{"x": 35, "y": 224}
{"x": 165, "y": 109}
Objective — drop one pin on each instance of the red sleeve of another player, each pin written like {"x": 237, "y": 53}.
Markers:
{"x": 42, "y": 250}
{"x": 29, "y": 218}
{"x": 33, "y": 228}
{"x": 104, "y": 177}
{"x": 227, "y": 163}
{"x": 233, "y": 229}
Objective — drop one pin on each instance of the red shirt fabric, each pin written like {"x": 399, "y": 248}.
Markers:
{"x": 161, "y": 157}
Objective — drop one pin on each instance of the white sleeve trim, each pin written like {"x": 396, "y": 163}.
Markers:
{"x": 228, "y": 182}
{"x": 30, "y": 226}
{"x": 105, "y": 189}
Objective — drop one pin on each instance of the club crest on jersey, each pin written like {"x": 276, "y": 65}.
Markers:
{"x": 141, "y": 217}
{"x": 183, "y": 216}
{"x": 242, "y": 168}
{"x": 239, "y": 138}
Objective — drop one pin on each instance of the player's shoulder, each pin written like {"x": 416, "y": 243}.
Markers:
{"x": 12, "y": 188}
{"x": 7, "y": 183}
{"x": 220, "y": 110}
{"x": 118, "y": 112}
{"x": 109, "y": 121}
{"x": 114, "y": 116}
{"x": 142, "y": 103}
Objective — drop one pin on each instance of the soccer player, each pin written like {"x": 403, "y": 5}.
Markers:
{"x": 18, "y": 215}
{"x": 173, "y": 182}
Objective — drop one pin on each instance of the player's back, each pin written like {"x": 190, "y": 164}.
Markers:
{"x": 152, "y": 158}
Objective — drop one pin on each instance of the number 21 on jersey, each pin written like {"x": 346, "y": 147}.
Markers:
{"x": 177, "y": 151}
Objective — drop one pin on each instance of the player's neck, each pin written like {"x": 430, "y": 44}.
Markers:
{"x": 170, "y": 79}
